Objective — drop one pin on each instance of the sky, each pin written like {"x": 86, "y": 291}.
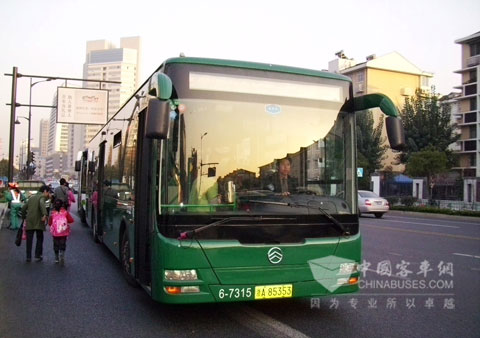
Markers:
{"x": 49, "y": 38}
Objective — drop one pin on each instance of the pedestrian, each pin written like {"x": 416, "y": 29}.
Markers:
{"x": 60, "y": 229}
{"x": 71, "y": 197}
{"x": 35, "y": 214}
{"x": 15, "y": 199}
{"x": 61, "y": 192}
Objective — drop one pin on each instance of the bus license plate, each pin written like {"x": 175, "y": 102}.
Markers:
{"x": 273, "y": 291}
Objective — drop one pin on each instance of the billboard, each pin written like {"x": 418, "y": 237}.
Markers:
{"x": 82, "y": 106}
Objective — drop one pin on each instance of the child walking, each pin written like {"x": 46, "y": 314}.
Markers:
{"x": 60, "y": 229}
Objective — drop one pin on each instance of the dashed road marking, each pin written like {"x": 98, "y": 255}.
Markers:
{"x": 440, "y": 220}
{"x": 432, "y": 225}
{"x": 421, "y": 232}
{"x": 466, "y": 255}
{"x": 395, "y": 254}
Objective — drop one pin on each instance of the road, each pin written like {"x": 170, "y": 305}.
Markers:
{"x": 89, "y": 298}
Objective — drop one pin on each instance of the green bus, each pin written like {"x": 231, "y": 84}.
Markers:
{"x": 222, "y": 181}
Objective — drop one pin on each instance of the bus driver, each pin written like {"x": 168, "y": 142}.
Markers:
{"x": 281, "y": 181}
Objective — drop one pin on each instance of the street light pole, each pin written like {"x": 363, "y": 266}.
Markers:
{"x": 11, "y": 150}
{"x": 29, "y": 128}
{"x": 29, "y": 156}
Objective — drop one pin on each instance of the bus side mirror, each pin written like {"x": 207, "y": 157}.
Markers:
{"x": 160, "y": 86}
{"x": 77, "y": 165}
{"x": 158, "y": 115}
{"x": 395, "y": 133}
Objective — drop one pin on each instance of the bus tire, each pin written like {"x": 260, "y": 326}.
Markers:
{"x": 125, "y": 260}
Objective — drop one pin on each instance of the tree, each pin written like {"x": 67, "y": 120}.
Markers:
{"x": 370, "y": 148}
{"x": 427, "y": 163}
{"x": 3, "y": 167}
{"x": 427, "y": 124}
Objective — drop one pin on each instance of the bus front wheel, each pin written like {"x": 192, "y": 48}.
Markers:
{"x": 125, "y": 259}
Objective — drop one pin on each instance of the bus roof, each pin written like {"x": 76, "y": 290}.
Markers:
{"x": 258, "y": 66}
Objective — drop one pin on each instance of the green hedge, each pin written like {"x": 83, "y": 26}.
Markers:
{"x": 433, "y": 210}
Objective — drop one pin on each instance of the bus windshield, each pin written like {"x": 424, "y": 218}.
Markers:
{"x": 250, "y": 145}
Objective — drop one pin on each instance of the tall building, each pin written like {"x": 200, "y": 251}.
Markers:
{"x": 104, "y": 61}
{"x": 59, "y": 145}
{"x": 391, "y": 74}
{"x": 43, "y": 144}
{"x": 22, "y": 154}
{"x": 468, "y": 103}
{"x": 468, "y": 117}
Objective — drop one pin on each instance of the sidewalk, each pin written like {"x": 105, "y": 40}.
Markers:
{"x": 432, "y": 215}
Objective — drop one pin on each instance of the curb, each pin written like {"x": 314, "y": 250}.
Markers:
{"x": 432, "y": 215}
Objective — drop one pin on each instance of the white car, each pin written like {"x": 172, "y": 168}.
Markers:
{"x": 371, "y": 203}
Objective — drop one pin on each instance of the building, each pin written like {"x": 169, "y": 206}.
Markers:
{"x": 43, "y": 144}
{"x": 21, "y": 157}
{"x": 468, "y": 104}
{"x": 59, "y": 145}
{"x": 468, "y": 117}
{"x": 391, "y": 74}
{"x": 22, "y": 154}
{"x": 104, "y": 61}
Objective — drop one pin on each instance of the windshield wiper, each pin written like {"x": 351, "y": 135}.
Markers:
{"x": 191, "y": 233}
{"x": 339, "y": 226}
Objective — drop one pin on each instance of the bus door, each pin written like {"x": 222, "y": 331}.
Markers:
{"x": 100, "y": 221}
{"x": 144, "y": 205}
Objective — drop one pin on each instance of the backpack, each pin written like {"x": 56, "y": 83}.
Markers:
{"x": 59, "y": 225}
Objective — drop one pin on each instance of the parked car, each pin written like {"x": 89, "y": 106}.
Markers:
{"x": 30, "y": 187}
{"x": 371, "y": 203}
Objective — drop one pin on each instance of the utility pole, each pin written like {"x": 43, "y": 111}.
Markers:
{"x": 12, "y": 124}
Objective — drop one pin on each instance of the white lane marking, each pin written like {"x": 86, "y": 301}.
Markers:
{"x": 403, "y": 294}
{"x": 262, "y": 324}
{"x": 432, "y": 225}
{"x": 395, "y": 254}
{"x": 421, "y": 232}
{"x": 440, "y": 220}
{"x": 466, "y": 255}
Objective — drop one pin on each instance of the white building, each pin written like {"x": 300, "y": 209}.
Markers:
{"x": 104, "y": 61}
{"x": 468, "y": 117}
{"x": 43, "y": 144}
{"x": 59, "y": 145}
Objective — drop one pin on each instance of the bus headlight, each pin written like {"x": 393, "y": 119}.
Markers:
{"x": 180, "y": 275}
{"x": 347, "y": 268}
